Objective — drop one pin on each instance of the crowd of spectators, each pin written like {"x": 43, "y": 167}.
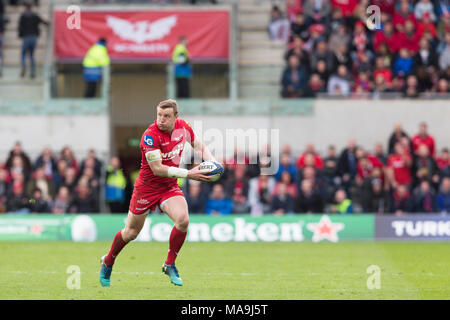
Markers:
{"x": 406, "y": 175}
{"x": 51, "y": 183}
{"x": 335, "y": 48}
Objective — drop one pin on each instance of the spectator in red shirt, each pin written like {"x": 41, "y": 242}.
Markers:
{"x": 386, "y": 6}
{"x": 401, "y": 201}
{"x": 423, "y": 138}
{"x": 382, "y": 69}
{"x": 293, "y": 7}
{"x": 426, "y": 24}
{"x": 443, "y": 160}
{"x": 317, "y": 159}
{"x": 385, "y": 36}
{"x": 346, "y": 6}
{"x": 402, "y": 15}
{"x": 408, "y": 39}
{"x": 399, "y": 164}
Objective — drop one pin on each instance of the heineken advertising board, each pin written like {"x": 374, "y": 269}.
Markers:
{"x": 267, "y": 228}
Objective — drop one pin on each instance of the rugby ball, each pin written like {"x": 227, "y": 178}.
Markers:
{"x": 215, "y": 169}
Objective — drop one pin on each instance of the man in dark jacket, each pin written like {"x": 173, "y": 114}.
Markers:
{"x": 29, "y": 32}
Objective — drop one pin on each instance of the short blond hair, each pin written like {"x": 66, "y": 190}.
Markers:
{"x": 169, "y": 103}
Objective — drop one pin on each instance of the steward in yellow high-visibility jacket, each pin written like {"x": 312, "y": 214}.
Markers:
{"x": 183, "y": 69}
{"x": 96, "y": 58}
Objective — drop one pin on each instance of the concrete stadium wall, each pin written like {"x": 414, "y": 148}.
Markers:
{"x": 36, "y": 132}
{"x": 335, "y": 121}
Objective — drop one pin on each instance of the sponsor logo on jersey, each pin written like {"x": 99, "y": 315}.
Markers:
{"x": 148, "y": 140}
{"x": 142, "y": 201}
{"x": 174, "y": 153}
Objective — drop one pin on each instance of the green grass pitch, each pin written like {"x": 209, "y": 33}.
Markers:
{"x": 32, "y": 270}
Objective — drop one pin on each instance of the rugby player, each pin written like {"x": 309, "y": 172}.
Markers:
{"x": 161, "y": 147}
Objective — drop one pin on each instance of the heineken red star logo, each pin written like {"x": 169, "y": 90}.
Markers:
{"x": 325, "y": 230}
{"x": 36, "y": 229}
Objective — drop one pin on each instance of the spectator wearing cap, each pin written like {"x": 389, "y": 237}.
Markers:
{"x": 425, "y": 24}
{"x": 423, "y": 7}
{"x": 443, "y": 162}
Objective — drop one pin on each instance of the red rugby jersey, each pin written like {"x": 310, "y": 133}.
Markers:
{"x": 171, "y": 146}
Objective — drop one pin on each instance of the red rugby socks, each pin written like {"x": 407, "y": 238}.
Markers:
{"x": 116, "y": 247}
{"x": 176, "y": 241}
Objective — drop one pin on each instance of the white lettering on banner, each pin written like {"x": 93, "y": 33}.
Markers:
{"x": 199, "y": 232}
{"x": 414, "y": 230}
{"x": 268, "y": 232}
{"x": 444, "y": 228}
{"x": 398, "y": 226}
{"x": 244, "y": 231}
{"x": 142, "y": 48}
{"x": 425, "y": 228}
{"x": 161, "y": 232}
{"x": 291, "y": 231}
{"x": 222, "y": 232}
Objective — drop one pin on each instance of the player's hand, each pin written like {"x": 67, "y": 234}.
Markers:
{"x": 199, "y": 175}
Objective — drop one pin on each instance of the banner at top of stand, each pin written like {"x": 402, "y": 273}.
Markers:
{"x": 144, "y": 34}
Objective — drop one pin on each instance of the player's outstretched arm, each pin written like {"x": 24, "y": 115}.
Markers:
{"x": 155, "y": 162}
